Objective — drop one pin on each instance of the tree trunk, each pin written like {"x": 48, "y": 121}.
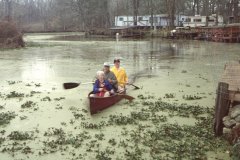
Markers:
{"x": 135, "y": 11}
{"x": 217, "y": 12}
{"x": 8, "y": 10}
{"x": 193, "y": 8}
{"x": 198, "y": 7}
{"x": 151, "y": 13}
{"x": 235, "y": 11}
{"x": 171, "y": 12}
{"x": 205, "y": 11}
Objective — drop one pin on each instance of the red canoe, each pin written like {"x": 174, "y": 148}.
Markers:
{"x": 100, "y": 103}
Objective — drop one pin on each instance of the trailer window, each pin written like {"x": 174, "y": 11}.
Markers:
{"x": 121, "y": 19}
{"x": 197, "y": 20}
{"x": 188, "y": 20}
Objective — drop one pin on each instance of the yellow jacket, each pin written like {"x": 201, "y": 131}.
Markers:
{"x": 121, "y": 75}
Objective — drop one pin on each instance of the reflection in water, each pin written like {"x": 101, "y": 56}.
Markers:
{"x": 39, "y": 71}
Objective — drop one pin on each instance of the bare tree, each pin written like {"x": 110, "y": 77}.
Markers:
{"x": 135, "y": 11}
{"x": 171, "y": 10}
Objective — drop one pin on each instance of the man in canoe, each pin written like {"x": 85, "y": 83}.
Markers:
{"x": 121, "y": 75}
{"x": 110, "y": 76}
{"x": 102, "y": 88}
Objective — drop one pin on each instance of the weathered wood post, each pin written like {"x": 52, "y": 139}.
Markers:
{"x": 221, "y": 107}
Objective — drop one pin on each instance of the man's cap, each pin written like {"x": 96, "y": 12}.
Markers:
{"x": 106, "y": 64}
{"x": 116, "y": 60}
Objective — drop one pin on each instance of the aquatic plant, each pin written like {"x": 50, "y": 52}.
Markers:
{"x": 38, "y": 84}
{"x": 184, "y": 71}
{"x": 156, "y": 119}
{"x": 35, "y": 92}
{"x": 21, "y": 136}
{"x": 84, "y": 111}
{"x": 102, "y": 156}
{"x": 112, "y": 142}
{"x": 6, "y": 117}
{"x": 28, "y": 104}
{"x": 58, "y": 99}
{"x": 191, "y": 97}
{"x": 142, "y": 97}
{"x": 87, "y": 125}
{"x": 54, "y": 132}
{"x": 78, "y": 115}
{"x": 47, "y": 98}
{"x": 11, "y": 82}
{"x": 121, "y": 120}
{"x": 3, "y": 132}
{"x": 2, "y": 140}
{"x": 15, "y": 94}
{"x": 99, "y": 137}
{"x": 1, "y": 107}
{"x": 169, "y": 95}
{"x": 142, "y": 116}
{"x": 27, "y": 150}
{"x": 23, "y": 117}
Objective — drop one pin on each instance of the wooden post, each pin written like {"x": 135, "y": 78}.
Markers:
{"x": 221, "y": 107}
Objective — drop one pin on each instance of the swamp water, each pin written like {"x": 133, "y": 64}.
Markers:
{"x": 41, "y": 120}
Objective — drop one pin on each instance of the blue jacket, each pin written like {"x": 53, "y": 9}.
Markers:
{"x": 96, "y": 86}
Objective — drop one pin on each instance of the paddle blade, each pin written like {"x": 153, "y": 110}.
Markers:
{"x": 70, "y": 85}
{"x": 135, "y": 87}
{"x": 130, "y": 98}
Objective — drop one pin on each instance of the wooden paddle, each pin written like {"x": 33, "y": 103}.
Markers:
{"x": 130, "y": 98}
{"x": 135, "y": 87}
{"x": 71, "y": 85}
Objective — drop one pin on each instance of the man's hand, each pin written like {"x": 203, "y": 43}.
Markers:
{"x": 110, "y": 81}
{"x": 100, "y": 89}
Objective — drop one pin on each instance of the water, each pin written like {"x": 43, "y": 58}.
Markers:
{"x": 157, "y": 66}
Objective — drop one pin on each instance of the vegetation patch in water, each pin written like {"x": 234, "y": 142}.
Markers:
{"x": 169, "y": 95}
{"x": 1, "y": 140}
{"x": 2, "y": 107}
{"x": 59, "y": 99}
{"x": 21, "y": 136}
{"x": 15, "y": 94}
{"x": 46, "y": 99}
{"x": 28, "y": 104}
{"x": 191, "y": 97}
{"x": 5, "y": 118}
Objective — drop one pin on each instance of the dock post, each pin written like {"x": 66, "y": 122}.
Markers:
{"x": 221, "y": 107}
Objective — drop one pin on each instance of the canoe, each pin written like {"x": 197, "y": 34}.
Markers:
{"x": 100, "y": 103}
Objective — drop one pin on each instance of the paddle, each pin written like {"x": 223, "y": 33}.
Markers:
{"x": 71, "y": 85}
{"x": 130, "y": 98}
{"x": 136, "y": 87}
